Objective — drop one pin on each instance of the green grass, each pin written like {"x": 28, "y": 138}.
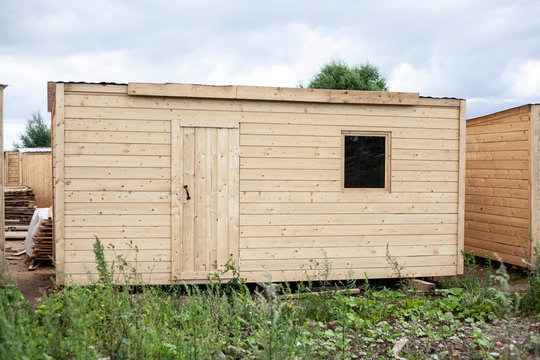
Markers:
{"x": 233, "y": 321}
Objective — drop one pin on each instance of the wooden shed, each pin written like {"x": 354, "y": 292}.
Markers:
{"x": 31, "y": 167}
{"x": 2, "y": 235}
{"x": 273, "y": 179}
{"x": 502, "y": 199}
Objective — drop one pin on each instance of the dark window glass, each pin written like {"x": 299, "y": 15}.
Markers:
{"x": 365, "y": 161}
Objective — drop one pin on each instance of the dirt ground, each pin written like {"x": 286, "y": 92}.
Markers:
{"x": 31, "y": 283}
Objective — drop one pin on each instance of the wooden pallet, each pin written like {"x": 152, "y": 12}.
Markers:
{"x": 43, "y": 248}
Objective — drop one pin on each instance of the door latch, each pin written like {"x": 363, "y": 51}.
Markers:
{"x": 187, "y": 192}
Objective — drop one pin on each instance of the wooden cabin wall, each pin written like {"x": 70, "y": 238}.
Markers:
{"x": 293, "y": 209}
{"x": 115, "y": 182}
{"x": 37, "y": 174}
{"x": 115, "y": 178}
{"x": 498, "y": 205}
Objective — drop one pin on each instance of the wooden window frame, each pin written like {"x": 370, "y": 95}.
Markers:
{"x": 387, "y": 159}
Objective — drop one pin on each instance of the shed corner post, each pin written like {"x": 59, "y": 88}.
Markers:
{"x": 2, "y": 223}
{"x": 534, "y": 178}
{"x": 461, "y": 185}
{"x": 59, "y": 182}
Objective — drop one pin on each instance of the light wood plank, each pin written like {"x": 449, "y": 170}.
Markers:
{"x": 345, "y": 241}
{"x": 117, "y": 185}
{"x": 495, "y": 128}
{"x": 496, "y": 228}
{"x": 509, "y": 259}
{"x": 346, "y": 219}
{"x": 284, "y": 140}
{"x": 234, "y": 195}
{"x": 275, "y": 94}
{"x": 498, "y": 219}
{"x": 222, "y": 196}
{"x": 289, "y": 163}
{"x": 498, "y": 137}
{"x": 499, "y": 164}
{"x": 188, "y": 206}
{"x": 76, "y": 244}
{"x": 290, "y": 174}
{"x": 358, "y": 273}
{"x": 176, "y": 209}
{"x": 352, "y": 197}
{"x": 116, "y": 197}
{"x": 117, "y": 137}
{"x": 118, "y": 125}
{"x": 430, "y": 113}
{"x": 158, "y": 208}
{"x": 347, "y": 208}
{"x": 335, "y": 230}
{"x": 498, "y": 146}
{"x": 117, "y": 161}
{"x": 498, "y": 210}
{"x": 498, "y": 183}
{"x": 425, "y": 165}
{"x": 497, "y": 174}
{"x": 429, "y": 175}
{"x": 497, "y": 201}
{"x": 291, "y": 152}
{"x": 498, "y": 155}
{"x": 129, "y": 233}
{"x": 117, "y": 149}
{"x": 498, "y": 192}
{"x": 346, "y": 252}
{"x": 142, "y": 267}
{"x": 199, "y": 197}
{"x": 117, "y": 173}
{"x": 59, "y": 195}
{"x": 347, "y": 263}
{"x": 82, "y": 256}
{"x": 117, "y": 220}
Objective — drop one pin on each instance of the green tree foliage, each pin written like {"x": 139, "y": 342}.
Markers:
{"x": 338, "y": 75}
{"x": 36, "y": 133}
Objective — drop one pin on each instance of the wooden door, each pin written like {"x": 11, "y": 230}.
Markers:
{"x": 205, "y": 199}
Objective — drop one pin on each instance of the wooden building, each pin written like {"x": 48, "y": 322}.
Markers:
{"x": 273, "y": 179}
{"x": 2, "y": 235}
{"x": 31, "y": 167}
{"x": 502, "y": 187}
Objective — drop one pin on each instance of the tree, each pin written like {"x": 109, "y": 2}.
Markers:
{"x": 36, "y": 133}
{"x": 338, "y": 75}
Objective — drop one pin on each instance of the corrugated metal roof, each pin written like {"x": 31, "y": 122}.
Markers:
{"x": 38, "y": 149}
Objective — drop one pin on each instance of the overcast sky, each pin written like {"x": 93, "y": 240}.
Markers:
{"x": 485, "y": 51}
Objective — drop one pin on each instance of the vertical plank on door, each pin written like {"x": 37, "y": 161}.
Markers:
{"x": 199, "y": 196}
{"x": 223, "y": 196}
{"x": 234, "y": 193}
{"x": 207, "y": 199}
{"x": 188, "y": 213}
{"x": 214, "y": 193}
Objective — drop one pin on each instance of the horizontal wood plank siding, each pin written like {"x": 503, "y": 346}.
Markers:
{"x": 118, "y": 179}
{"x": 498, "y": 205}
{"x": 293, "y": 211}
{"x": 117, "y": 184}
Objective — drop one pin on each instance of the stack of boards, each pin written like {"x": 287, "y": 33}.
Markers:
{"x": 43, "y": 248}
{"x": 20, "y": 203}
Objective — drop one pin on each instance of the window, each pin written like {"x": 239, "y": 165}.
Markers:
{"x": 366, "y": 162}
